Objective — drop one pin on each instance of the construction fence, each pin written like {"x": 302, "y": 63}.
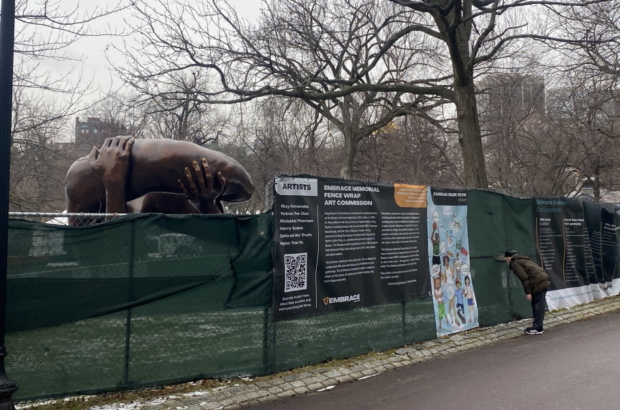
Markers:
{"x": 143, "y": 300}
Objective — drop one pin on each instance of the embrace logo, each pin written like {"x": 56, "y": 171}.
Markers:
{"x": 342, "y": 299}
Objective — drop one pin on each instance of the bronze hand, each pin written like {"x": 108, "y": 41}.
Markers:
{"x": 111, "y": 164}
{"x": 200, "y": 190}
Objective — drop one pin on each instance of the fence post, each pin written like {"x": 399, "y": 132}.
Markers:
{"x": 268, "y": 342}
{"x": 403, "y": 309}
{"x": 7, "y": 46}
{"x": 130, "y": 298}
{"x": 510, "y": 303}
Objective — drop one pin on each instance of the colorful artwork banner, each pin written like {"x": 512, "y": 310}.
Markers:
{"x": 454, "y": 298}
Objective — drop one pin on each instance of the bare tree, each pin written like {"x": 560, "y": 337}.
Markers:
{"x": 290, "y": 53}
{"x": 44, "y": 31}
{"x": 537, "y": 144}
{"x": 44, "y": 98}
{"x": 588, "y": 111}
{"x": 276, "y": 136}
{"x": 118, "y": 108}
{"x": 474, "y": 33}
{"x": 177, "y": 113}
{"x": 39, "y": 161}
{"x": 593, "y": 32}
{"x": 532, "y": 163}
{"x": 512, "y": 105}
{"x": 411, "y": 149}
{"x": 335, "y": 57}
{"x": 588, "y": 98}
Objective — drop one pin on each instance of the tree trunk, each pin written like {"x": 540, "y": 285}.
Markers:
{"x": 469, "y": 136}
{"x": 596, "y": 184}
{"x": 350, "y": 130}
{"x": 350, "y": 151}
{"x": 456, "y": 28}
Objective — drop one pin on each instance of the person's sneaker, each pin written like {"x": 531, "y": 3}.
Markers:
{"x": 531, "y": 331}
{"x": 527, "y": 329}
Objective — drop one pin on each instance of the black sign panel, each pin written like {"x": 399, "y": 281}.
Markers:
{"x": 342, "y": 245}
{"x": 561, "y": 241}
{"x": 609, "y": 244}
{"x": 593, "y": 222}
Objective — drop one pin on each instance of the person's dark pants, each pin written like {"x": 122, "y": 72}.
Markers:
{"x": 538, "y": 309}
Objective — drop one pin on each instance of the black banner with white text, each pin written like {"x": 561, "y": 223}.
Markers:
{"x": 341, "y": 245}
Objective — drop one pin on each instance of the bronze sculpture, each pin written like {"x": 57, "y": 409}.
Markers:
{"x": 129, "y": 176}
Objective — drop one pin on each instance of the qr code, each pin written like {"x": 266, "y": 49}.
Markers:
{"x": 295, "y": 272}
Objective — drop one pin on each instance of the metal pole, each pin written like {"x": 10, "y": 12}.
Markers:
{"x": 403, "y": 308}
{"x": 131, "y": 296}
{"x": 7, "y": 38}
{"x": 266, "y": 344}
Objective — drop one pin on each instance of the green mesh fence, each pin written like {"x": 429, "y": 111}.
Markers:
{"x": 153, "y": 299}
{"x": 340, "y": 335}
{"x": 497, "y": 223}
{"x": 139, "y": 300}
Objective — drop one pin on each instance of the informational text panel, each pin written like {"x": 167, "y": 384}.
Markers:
{"x": 342, "y": 245}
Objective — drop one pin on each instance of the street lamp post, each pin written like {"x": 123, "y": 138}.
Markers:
{"x": 7, "y": 39}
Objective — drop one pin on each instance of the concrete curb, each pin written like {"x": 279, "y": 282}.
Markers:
{"x": 278, "y": 386}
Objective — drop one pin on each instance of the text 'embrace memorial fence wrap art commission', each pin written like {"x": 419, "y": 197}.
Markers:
{"x": 150, "y": 299}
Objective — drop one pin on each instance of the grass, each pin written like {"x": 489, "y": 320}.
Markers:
{"x": 148, "y": 394}
{"x": 90, "y": 355}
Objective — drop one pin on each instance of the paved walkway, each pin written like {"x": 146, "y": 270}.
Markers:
{"x": 319, "y": 378}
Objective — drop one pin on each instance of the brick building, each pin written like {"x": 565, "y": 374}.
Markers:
{"x": 94, "y": 131}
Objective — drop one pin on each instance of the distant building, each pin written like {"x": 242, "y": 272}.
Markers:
{"x": 601, "y": 108}
{"x": 510, "y": 97}
{"x": 94, "y": 131}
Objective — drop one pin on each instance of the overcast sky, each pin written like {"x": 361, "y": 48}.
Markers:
{"x": 92, "y": 50}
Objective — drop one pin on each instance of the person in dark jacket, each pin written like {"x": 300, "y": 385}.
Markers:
{"x": 535, "y": 281}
